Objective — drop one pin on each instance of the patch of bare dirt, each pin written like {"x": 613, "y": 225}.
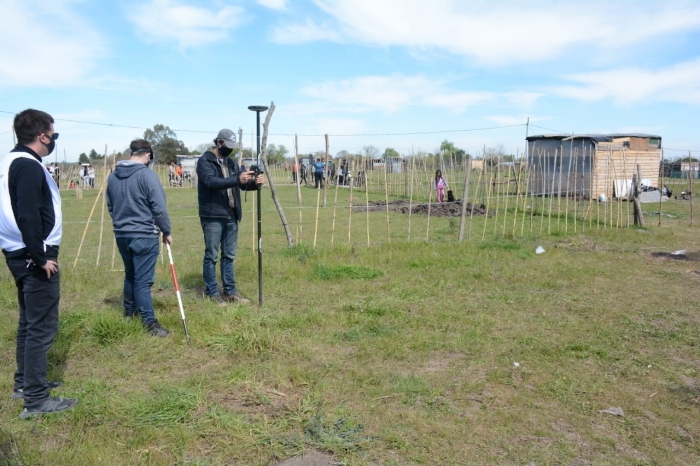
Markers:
{"x": 441, "y": 361}
{"x": 268, "y": 402}
{"x": 689, "y": 256}
{"x": 312, "y": 458}
{"x": 446, "y": 209}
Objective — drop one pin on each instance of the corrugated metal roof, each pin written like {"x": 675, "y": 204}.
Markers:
{"x": 595, "y": 137}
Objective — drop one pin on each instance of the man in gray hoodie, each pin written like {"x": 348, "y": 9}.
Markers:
{"x": 136, "y": 202}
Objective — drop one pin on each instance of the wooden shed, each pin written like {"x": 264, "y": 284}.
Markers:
{"x": 592, "y": 164}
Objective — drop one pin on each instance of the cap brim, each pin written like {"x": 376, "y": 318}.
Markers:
{"x": 231, "y": 144}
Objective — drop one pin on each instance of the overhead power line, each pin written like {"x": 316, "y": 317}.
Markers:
{"x": 116, "y": 125}
{"x": 412, "y": 133}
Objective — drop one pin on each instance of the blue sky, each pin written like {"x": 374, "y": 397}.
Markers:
{"x": 366, "y": 72}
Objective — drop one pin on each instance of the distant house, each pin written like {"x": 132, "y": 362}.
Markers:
{"x": 592, "y": 164}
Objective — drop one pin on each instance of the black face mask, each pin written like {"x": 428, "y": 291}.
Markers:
{"x": 52, "y": 145}
{"x": 225, "y": 151}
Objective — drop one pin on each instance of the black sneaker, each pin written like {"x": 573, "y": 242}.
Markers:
{"x": 218, "y": 300}
{"x": 19, "y": 393}
{"x": 52, "y": 404}
{"x": 236, "y": 298}
{"x": 156, "y": 330}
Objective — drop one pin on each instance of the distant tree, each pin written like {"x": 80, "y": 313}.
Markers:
{"x": 83, "y": 158}
{"x": 165, "y": 143}
{"x": 370, "y": 152}
{"x": 343, "y": 154}
{"x": 201, "y": 148}
{"x": 276, "y": 154}
{"x": 447, "y": 147}
{"x": 391, "y": 153}
{"x": 95, "y": 156}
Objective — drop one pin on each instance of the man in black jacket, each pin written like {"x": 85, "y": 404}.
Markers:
{"x": 220, "y": 180}
{"x": 30, "y": 234}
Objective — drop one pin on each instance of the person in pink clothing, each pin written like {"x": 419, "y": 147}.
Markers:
{"x": 440, "y": 186}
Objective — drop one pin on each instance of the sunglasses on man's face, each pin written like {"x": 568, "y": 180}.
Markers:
{"x": 53, "y": 136}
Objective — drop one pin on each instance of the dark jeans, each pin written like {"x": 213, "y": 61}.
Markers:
{"x": 224, "y": 234}
{"x": 38, "y": 299}
{"x": 318, "y": 179}
{"x": 139, "y": 256}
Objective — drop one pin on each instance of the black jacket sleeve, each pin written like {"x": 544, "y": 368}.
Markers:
{"x": 209, "y": 175}
{"x": 30, "y": 190}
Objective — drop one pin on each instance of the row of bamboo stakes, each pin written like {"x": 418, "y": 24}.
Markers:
{"x": 492, "y": 190}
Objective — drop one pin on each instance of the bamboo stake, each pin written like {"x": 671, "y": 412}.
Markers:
{"x": 517, "y": 198}
{"x": 545, "y": 183}
{"x": 624, "y": 175}
{"x": 465, "y": 198}
{"x": 529, "y": 177}
{"x": 486, "y": 214}
{"x": 299, "y": 168}
{"x": 690, "y": 187}
{"x": 532, "y": 181}
{"x": 607, "y": 182}
{"x": 505, "y": 208}
{"x": 352, "y": 183}
{"x": 386, "y": 199}
{"x": 591, "y": 176}
{"x": 497, "y": 188}
{"x": 335, "y": 202}
{"x": 367, "y": 197}
{"x": 104, "y": 202}
{"x": 318, "y": 205}
{"x": 114, "y": 242}
{"x": 87, "y": 225}
{"x": 568, "y": 190}
{"x": 476, "y": 196}
{"x": 617, "y": 198}
{"x": 661, "y": 188}
{"x": 561, "y": 167}
{"x": 595, "y": 156}
{"x": 577, "y": 197}
{"x": 551, "y": 193}
{"x": 430, "y": 198}
{"x": 410, "y": 198}
{"x": 325, "y": 177}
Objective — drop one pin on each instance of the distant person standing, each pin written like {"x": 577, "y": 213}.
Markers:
{"x": 303, "y": 170}
{"x": 318, "y": 173}
{"x": 220, "y": 180}
{"x": 91, "y": 176}
{"x": 136, "y": 202}
{"x": 30, "y": 236}
{"x": 440, "y": 186}
{"x": 84, "y": 176}
{"x": 295, "y": 171}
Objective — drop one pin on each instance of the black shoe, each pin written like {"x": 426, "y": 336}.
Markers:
{"x": 19, "y": 393}
{"x": 156, "y": 330}
{"x": 49, "y": 405}
{"x": 218, "y": 299}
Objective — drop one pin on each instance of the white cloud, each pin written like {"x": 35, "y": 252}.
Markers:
{"x": 188, "y": 26}
{"x": 678, "y": 83}
{"x": 273, "y": 4}
{"x": 309, "y": 31}
{"x": 391, "y": 93}
{"x": 46, "y": 47}
{"x": 496, "y": 32}
{"x": 511, "y": 120}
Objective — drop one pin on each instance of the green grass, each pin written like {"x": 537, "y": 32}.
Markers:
{"x": 389, "y": 353}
